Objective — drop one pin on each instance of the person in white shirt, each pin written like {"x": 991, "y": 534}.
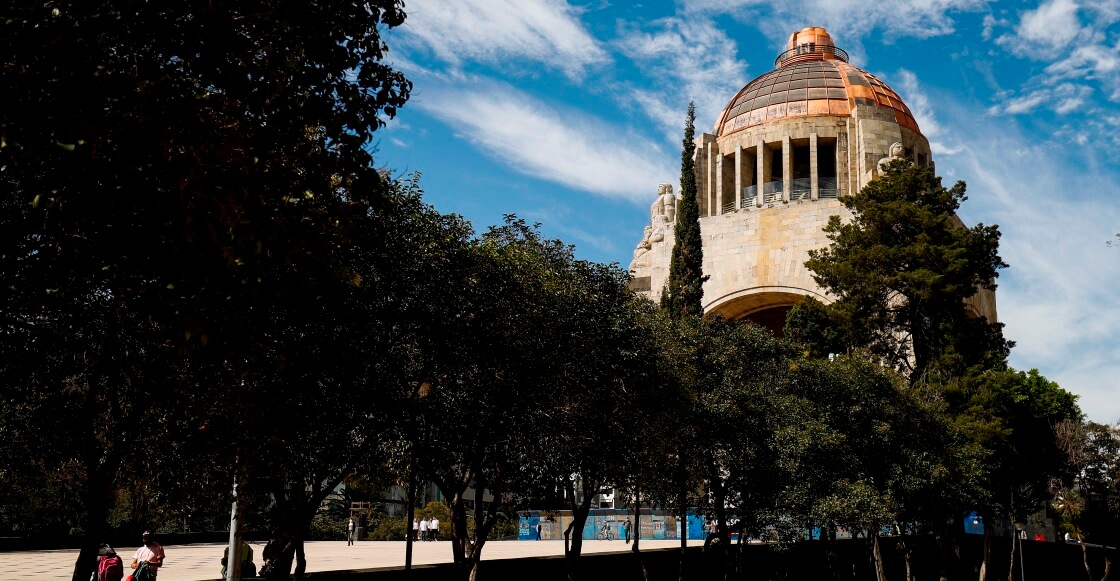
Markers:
{"x": 433, "y": 529}
{"x": 350, "y": 531}
{"x": 415, "y": 528}
{"x": 424, "y": 530}
{"x": 151, "y": 553}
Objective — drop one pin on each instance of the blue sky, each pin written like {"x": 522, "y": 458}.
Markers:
{"x": 570, "y": 114}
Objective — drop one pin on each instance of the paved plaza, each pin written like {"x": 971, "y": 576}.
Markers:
{"x": 201, "y": 562}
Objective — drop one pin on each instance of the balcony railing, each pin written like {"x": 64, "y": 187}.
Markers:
{"x": 800, "y": 189}
{"x": 809, "y": 49}
{"x": 750, "y": 196}
{"x": 828, "y": 188}
{"x": 772, "y": 192}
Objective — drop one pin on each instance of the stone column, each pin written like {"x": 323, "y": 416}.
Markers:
{"x": 709, "y": 171}
{"x": 738, "y": 176}
{"x": 763, "y": 162}
{"x": 815, "y": 191}
{"x": 719, "y": 183}
{"x": 787, "y": 168}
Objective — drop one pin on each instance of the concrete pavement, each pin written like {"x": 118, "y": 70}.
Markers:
{"x": 202, "y": 562}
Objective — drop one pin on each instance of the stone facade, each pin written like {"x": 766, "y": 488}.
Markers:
{"x": 767, "y": 187}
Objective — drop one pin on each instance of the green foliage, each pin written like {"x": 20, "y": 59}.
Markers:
{"x": 814, "y": 326}
{"x": 390, "y": 529}
{"x": 684, "y": 291}
{"x": 325, "y": 527}
{"x": 903, "y": 267}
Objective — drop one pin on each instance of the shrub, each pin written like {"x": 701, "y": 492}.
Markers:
{"x": 388, "y": 529}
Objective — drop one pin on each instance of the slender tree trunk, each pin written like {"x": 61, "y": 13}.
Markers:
{"x": 573, "y": 543}
{"x": 682, "y": 500}
{"x": 833, "y": 556}
{"x": 1085, "y": 556}
{"x": 301, "y": 557}
{"x": 1014, "y": 542}
{"x": 410, "y": 516}
{"x": 638, "y": 532}
{"x": 880, "y": 572}
{"x": 986, "y": 557}
{"x": 1107, "y": 566}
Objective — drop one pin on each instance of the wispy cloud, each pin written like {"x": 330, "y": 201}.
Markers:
{"x": 848, "y": 19}
{"x": 912, "y": 93}
{"x": 1044, "y": 31}
{"x": 563, "y": 146}
{"x": 1055, "y": 218}
{"x": 693, "y": 60}
{"x": 1073, "y": 39}
{"x": 496, "y": 31}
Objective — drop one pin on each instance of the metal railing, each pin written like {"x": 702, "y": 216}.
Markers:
{"x": 827, "y": 188}
{"x": 750, "y": 196}
{"x": 800, "y": 189}
{"x": 729, "y": 207}
{"x": 809, "y": 49}
{"x": 772, "y": 192}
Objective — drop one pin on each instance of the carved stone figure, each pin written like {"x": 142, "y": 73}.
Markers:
{"x": 664, "y": 208}
{"x": 896, "y": 152}
{"x": 642, "y": 249}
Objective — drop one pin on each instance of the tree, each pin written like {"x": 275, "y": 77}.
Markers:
{"x": 176, "y": 178}
{"x": 1011, "y": 415}
{"x": 903, "y": 268}
{"x": 683, "y": 294}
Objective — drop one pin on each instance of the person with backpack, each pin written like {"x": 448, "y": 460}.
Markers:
{"x": 109, "y": 566}
{"x": 147, "y": 559}
{"x": 248, "y": 567}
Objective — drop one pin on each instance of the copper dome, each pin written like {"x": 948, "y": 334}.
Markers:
{"x": 812, "y": 78}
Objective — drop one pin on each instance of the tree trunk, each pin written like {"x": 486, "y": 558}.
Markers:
{"x": 410, "y": 515}
{"x": 986, "y": 556}
{"x": 833, "y": 556}
{"x": 1085, "y": 556}
{"x": 96, "y": 496}
{"x": 1107, "y": 566}
{"x": 682, "y": 500}
{"x": 880, "y": 572}
{"x": 573, "y": 544}
{"x": 638, "y": 532}
{"x": 1014, "y": 542}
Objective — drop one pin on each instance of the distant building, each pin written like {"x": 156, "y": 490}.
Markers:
{"x": 785, "y": 149}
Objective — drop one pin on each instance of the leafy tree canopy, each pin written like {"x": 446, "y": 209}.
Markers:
{"x": 904, "y": 266}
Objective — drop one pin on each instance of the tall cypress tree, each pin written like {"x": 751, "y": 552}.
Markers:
{"x": 684, "y": 291}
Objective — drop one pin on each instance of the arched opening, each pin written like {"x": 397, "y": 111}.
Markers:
{"x": 765, "y": 306}
{"x": 773, "y": 319}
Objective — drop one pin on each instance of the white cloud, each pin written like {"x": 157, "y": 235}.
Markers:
{"x": 494, "y": 31}
{"x": 1058, "y": 299}
{"x": 847, "y": 19}
{"x": 1045, "y": 30}
{"x": 566, "y": 147}
{"x": 1061, "y": 99}
{"x": 692, "y": 59}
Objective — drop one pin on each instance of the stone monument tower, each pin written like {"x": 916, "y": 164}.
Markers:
{"x": 784, "y": 150}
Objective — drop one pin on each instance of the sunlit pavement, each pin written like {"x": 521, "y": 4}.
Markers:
{"x": 202, "y": 562}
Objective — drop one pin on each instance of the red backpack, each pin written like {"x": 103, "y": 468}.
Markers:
{"x": 110, "y": 568}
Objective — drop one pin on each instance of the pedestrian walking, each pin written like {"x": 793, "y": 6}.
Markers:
{"x": 350, "y": 531}
{"x": 433, "y": 529}
{"x": 109, "y": 566}
{"x": 626, "y": 529}
{"x": 424, "y": 529}
{"x": 415, "y": 529}
{"x": 539, "y": 527}
{"x": 147, "y": 559}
